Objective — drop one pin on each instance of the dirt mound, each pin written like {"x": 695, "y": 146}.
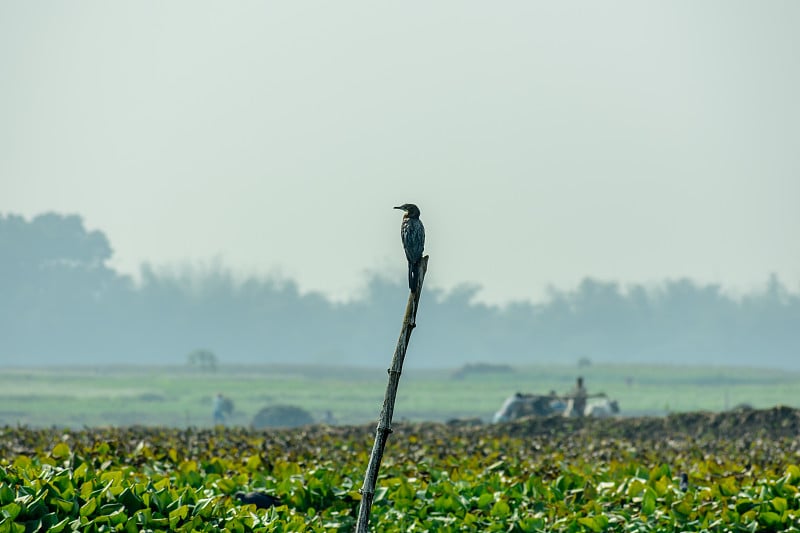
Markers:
{"x": 744, "y": 425}
{"x": 282, "y": 416}
{"x": 777, "y": 422}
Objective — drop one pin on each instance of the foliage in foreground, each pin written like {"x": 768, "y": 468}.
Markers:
{"x": 434, "y": 478}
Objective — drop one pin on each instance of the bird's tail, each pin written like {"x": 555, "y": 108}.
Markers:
{"x": 413, "y": 276}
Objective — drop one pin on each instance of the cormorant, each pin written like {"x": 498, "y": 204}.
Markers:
{"x": 260, "y": 499}
{"x": 684, "y": 483}
{"x": 412, "y": 232}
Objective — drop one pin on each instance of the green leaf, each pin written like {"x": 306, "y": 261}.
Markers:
{"x": 727, "y": 487}
{"x": 65, "y": 506}
{"x": 131, "y": 500}
{"x": 80, "y": 472}
{"x": 48, "y": 520}
{"x": 500, "y": 510}
{"x": 591, "y": 523}
{"x": 86, "y": 489}
{"x": 177, "y": 515}
{"x": 11, "y": 510}
{"x": 226, "y": 486}
{"x": 102, "y": 449}
{"x": 684, "y": 506}
{"x": 742, "y": 506}
{"x": 253, "y": 463}
{"x": 380, "y": 494}
{"x": 648, "y": 502}
{"x": 7, "y": 526}
{"x": 88, "y": 508}
{"x": 6, "y": 494}
{"x": 163, "y": 498}
{"x": 37, "y": 507}
{"x": 635, "y": 488}
{"x": 58, "y": 526}
{"x": 770, "y": 519}
{"x": 60, "y": 451}
{"x": 118, "y": 517}
{"x": 485, "y": 500}
{"x": 659, "y": 472}
{"x": 779, "y": 504}
{"x": 115, "y": 476}
{"x": 793, "y": 474}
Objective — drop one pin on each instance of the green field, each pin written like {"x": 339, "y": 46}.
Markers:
{"x": 182, "y": 396}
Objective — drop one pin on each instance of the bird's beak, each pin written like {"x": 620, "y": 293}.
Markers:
{"x": 398, "y": 207}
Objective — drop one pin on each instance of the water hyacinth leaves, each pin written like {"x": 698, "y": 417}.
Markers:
{"x": 441, "y": 479}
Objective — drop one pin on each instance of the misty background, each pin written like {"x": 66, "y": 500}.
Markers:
{"x": 617, "y": 181}
{"x": 63, "y": 305}
{"x": 543, "y": 141}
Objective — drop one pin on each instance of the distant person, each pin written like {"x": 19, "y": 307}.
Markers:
{"x": 218, "y": 409}
{"x": 576, "y": 405}
{"x": 579, "y": 394}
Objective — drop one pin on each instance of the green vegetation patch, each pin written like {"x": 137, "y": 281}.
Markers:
{"x": 535, "y": 475}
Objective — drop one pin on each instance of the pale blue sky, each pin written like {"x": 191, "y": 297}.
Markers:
{"x": 543, "y": 142}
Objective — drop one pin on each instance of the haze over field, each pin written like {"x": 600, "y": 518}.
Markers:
{"x": 544, "y": 142}
{"x": 63, "y": 305}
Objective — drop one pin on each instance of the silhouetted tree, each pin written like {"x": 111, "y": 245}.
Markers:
{"x": 202, "y": 359}
{"x": 61, "y": 303}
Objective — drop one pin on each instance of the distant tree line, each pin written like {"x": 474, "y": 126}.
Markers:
{"x": 61, "y": 304}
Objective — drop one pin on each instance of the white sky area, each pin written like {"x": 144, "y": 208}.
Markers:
{"x": 543, "y": 142}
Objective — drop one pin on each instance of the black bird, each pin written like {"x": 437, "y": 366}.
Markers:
{"x": 259, "y": 499}
{"x": 413, "y": 234}
{"x": 684, "y": 484}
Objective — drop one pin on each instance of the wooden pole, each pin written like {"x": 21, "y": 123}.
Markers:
{"x": 385, "y": 420}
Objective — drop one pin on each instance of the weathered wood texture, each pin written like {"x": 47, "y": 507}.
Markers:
{"x": 385, "y": 420}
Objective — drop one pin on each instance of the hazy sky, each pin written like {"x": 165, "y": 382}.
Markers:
{"x": 543, "y": 142}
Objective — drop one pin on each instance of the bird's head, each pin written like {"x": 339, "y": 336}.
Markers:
{"x": 410, "y": 209}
